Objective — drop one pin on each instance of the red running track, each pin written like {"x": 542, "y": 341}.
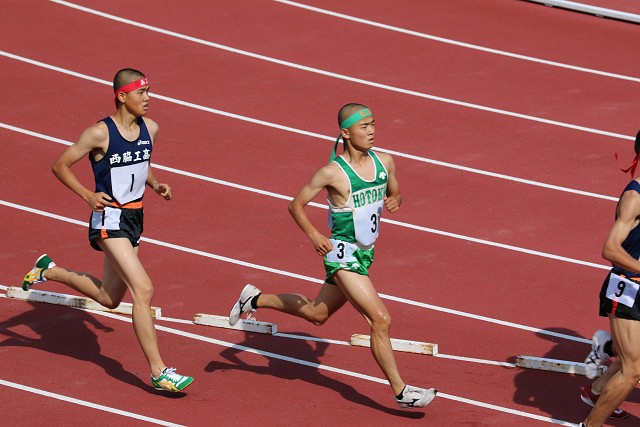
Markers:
{"x": 96, "y": 358}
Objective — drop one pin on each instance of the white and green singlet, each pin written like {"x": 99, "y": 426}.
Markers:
{"x": 356, "y": 224}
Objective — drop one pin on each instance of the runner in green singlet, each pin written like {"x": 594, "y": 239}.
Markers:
{"x": 360, "y": 184}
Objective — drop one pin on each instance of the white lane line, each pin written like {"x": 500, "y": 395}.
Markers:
{"x": 299, "y": 132}
{"x": 323, "y": 340}
{"x": 498, "y": 245}
{"x": 291, "y": 360}
{"x": 305, "y": 278}
{"x": 475, "y": 360}
{"x": 457, "y": 43}
{"x": 318, "y": 205}
{"x": 440, "y": 355}
{"x": 342, "y": 76}
{"x": 503, "y": 409}
{"x": 87, "y": 403}
{"x": 385, "y": 220}
{"x": 348, "y": 344}
{"x": 336, "y": 370}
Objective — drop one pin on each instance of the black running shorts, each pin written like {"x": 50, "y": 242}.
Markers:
{"x": 116, "y": 222}
{"x": 619, "y": 296}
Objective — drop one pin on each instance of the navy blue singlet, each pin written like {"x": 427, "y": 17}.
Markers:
{"x": 632, "y": 243}
{"x": 122, "y": 172}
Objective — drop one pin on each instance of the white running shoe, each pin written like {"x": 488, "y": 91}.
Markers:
{"x": 414, "y": 397}
{"x": 244, "y": 304}
{"x": 597, "y": 355}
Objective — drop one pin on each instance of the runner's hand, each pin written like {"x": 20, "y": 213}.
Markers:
{"x": 391, "y": 204}
{"x": 163, "y": 190}
{"x": 98, "y": 201}
{"x": 322, "y": 244}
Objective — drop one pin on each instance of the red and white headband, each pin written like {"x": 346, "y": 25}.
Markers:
{"x": 130, "y": 87}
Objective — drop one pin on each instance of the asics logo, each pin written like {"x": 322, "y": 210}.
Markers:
{"x": 168, "y": 385}
{"x": 243, "y": 303}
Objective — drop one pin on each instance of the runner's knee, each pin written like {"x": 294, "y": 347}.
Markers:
{"x": 110, "y": 304}
{"x": 109, "y": 297}
{"x": 381, "y": 322}
{"x": 631, "y": 370}
{"x": 143, "y": 292}
{"x": 318, "y": 318}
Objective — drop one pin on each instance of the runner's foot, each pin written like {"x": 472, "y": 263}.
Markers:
{"x": 36, "y": 274}
{"x": 244, "y": 304}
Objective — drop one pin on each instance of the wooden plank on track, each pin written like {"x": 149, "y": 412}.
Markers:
{"x": 554, "y": 365}
{"x": 242, "y": 325}
{"x": 73, "y": 301}
{"x": 406, "y": 346}
{"x": 593, "y": 10}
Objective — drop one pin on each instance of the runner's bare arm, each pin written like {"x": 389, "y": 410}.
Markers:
{"x": 96, "y": 138}
{"x": 324, "y": 177}
{"x": 152, "y": 127}
{"x": 393, "y": 198}
{"x": 160, "y": 188}
{"x": 628, "y": 218}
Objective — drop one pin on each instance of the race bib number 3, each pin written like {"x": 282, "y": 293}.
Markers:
{"x": 342, "y": 252}
{"x": 367, "y": 223}
{"x": 622, "y": 290}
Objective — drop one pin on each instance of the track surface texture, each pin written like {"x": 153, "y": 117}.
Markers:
{"x": 503, "y": 118}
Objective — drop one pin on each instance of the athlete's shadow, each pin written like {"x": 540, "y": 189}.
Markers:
{"x": 65, "y": 331}
{"x": 304, "y": 350}
{"x": 556, "y": 393}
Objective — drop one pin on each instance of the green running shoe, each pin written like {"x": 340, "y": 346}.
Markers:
{"x": 36, "y": 274}
{"x": 169, "y": 380}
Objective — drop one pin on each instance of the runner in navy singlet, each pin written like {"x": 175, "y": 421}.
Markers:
{"x": 619, "y": 301}
{"x": 121, "y": 173}
{"x": 119, "y": 148}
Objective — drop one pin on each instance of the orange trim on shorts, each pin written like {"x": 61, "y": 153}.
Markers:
{"x": 614, "y": 303}
{"x": 103, "y": 234}
{"x": 130, "y": 205}
{"x": 635, "y": 278}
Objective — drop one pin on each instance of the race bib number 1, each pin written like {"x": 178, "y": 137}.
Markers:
{"x": 108, "y": 219}
{"x": 622, "y": 290}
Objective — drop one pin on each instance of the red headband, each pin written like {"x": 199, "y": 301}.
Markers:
{"x": 632, "y": 167}
{"x": 130, "y": 87}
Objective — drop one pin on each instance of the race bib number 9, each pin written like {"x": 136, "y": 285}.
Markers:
{"x": 622, "y": 290}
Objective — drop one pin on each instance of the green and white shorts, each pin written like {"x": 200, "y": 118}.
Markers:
{"x": 347, "y": 256}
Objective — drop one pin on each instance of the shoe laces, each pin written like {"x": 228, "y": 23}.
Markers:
{"x": 411, "y": 392}
{"x": 171, "y": 374}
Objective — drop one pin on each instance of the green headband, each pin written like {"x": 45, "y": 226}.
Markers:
{"x": 354, "y": 118}
{"x": 346, "y": 124}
